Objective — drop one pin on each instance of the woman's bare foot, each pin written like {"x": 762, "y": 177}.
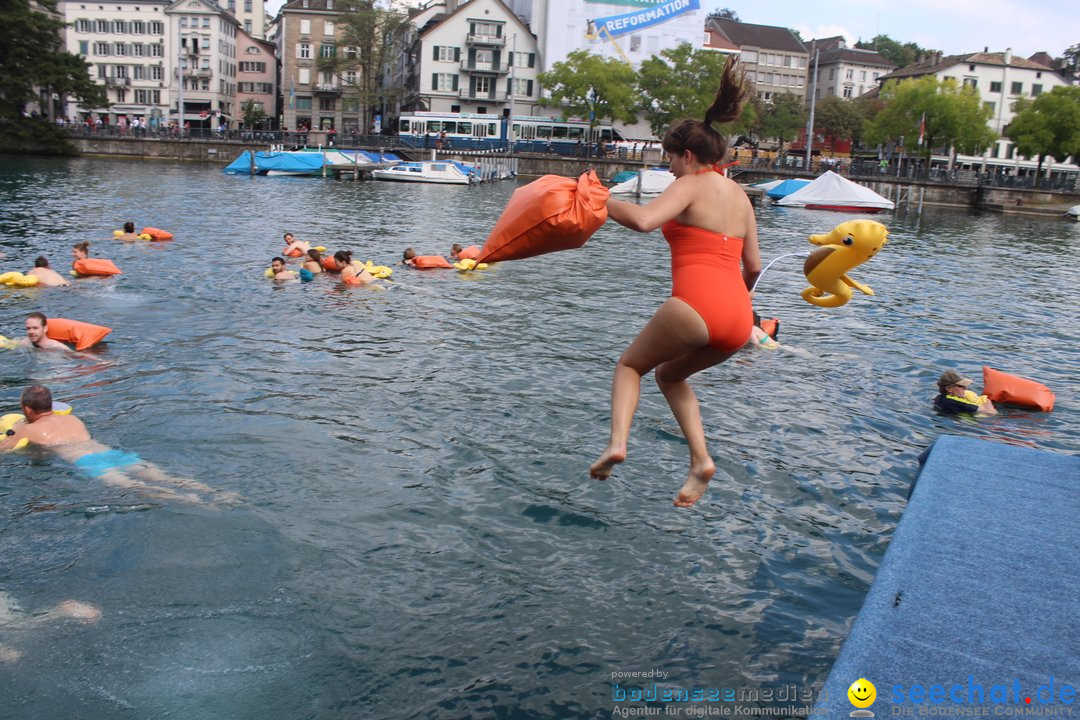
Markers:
{"x": 697, "y": 481}
{"x": 612, "y": 456}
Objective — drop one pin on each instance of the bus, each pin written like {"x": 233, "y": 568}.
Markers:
{"x": 475, "y": 131}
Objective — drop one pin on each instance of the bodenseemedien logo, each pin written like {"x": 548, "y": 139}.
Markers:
{"x": 862, "y": 695}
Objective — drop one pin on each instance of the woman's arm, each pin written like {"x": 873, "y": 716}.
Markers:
{"x": 751, "y": 254}
{"x": 648, "y": 217}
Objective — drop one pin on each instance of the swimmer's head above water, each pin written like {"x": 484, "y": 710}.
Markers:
{"x": 129, "y": 227}
{"x": 409, "y": 254}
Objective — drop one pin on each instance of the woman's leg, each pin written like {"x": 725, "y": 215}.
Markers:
{"x": 675, "y": 330}
{"x": 671, "y": 377}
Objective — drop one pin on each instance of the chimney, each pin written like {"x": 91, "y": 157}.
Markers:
{"x": 986, "y": 48}
{"x": 1008, "y": 55}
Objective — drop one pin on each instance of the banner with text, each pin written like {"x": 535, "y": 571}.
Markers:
{"x": 616, "y": 25}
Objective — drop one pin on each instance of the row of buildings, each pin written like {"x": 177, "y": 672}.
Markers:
{"x": 467, "y": 56}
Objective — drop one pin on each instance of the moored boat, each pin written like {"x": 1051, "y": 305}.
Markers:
{"x": 1073, "y": 213}
{"x": 427, "y": 171}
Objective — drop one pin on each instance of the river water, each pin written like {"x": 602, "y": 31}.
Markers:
{"x": 418, "y": 537}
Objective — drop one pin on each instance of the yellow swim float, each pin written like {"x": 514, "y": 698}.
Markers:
{"x": 9, "y": 421}
{"x": 470, "y": 264}
{"x": 378, "y": 271}
{"x": 17, "y": 279}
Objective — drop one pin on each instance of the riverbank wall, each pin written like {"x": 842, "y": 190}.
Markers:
{"x": 906, "y": 193}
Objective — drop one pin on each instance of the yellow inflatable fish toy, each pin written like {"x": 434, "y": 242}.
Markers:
{"x": 849, "y": 245}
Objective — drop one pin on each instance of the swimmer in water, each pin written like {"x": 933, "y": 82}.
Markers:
{"x": 67, "y": 437}
{"x": 47, "y": 276}
{"x": 277, "y": 266}
{"x": 294, "y": 247}
{"x": 129, "y": 234}
{"x": 13, "y": 618}
{"x": 351, "y": 274}
{"x": 79, "y": 251}
{"x": 709, "y": 223}
{"x": 313, "y": 262}
{"x": 37, "y": 327}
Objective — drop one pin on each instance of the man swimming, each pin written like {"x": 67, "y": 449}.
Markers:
{"x": 68, "y": 437}
{"x": 46, "y": 275}
{"x": 36, "y": 337}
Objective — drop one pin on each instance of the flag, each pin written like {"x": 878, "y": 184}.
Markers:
{"x": 922, "y": 128}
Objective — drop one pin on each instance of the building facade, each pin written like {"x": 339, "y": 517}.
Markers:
{"x": 475, "y": 57}
{"x": 207, "y": 62}
{"x": 845, "y": 72}
{"x": 130, "y": 49}
{"x": 257, "y": 77}
{"x": 774, "y": 59}
{"x": 251, "y": 14}
{"x": 1001, "y": 79}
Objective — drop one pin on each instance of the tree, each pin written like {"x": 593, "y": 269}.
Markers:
{"x": 1048, "y": 126}
{"x": 33, "y": 63}
{"x": 723, "y": 14}
{"x": 899, "y": 54}
{"x": 1072, "y": 58}
{"x": 678, "y": 83}
{"x": 949, "y": 116}
{"x": 837, "y": 118}
{"x": 592, "y": 87}
{"x": 253, "y": 114}
{"x": 783, "y": 119}
{"x": 365, "y": 46}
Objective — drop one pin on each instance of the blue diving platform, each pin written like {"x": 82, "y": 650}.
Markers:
{"x": 975, "y": 609}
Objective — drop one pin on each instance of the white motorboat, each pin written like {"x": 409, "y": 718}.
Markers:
{"x": 427, "y": 171}
{"x": 1073, "y": 213}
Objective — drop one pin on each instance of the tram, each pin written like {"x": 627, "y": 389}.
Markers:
{"x": 474, "y": 131}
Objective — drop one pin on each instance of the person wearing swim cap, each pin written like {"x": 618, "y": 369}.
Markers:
{"x": 37, "y": 326}
{"x": 47, "y": 276}
{"x": 68, "y": 438}
{"x": 955, "y": 398}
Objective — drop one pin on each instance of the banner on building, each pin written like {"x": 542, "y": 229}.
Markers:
{"x": 655, "y": 14}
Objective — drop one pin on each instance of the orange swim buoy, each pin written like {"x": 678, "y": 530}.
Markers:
{"x": 80, "y": 334}
{"x": 95, "y": 266}
{"x": 470, "y": 253}
{"x": 1015, "y": 390}
{"x": 549, "y": 214}
{"x": 770, "y": 326}
{"x": 426, "y": 262}
{"x": 156, "y": 234}
{"x": 330, "y": 264}
{"x": 295, "y": 252}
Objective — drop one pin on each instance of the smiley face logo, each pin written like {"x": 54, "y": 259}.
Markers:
{"x": 862, "y": 693}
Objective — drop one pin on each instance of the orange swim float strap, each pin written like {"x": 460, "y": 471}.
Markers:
{"x": 470, "y": 253}
{"x": 1013, "y": 390}
{"x": 549, "y": 214}
{"x": 156, "y": 234}
{"x": 95, "y": 266}
{"x": 295, "y": 252}
{"x": 80, "y": 334}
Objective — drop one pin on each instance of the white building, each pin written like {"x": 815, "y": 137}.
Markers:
{"x": 208, "y": 61}
{"x": 474, "y": 57}
{"x": 251, "y": 15}
{"x": 845, "y": 72}
{"x": 129, "y": 47}
{"x": 1001, "y": 80}
{"x": 633, "y": 30}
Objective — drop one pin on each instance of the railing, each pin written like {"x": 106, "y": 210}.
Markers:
{"x": 500, "y": 69}
{"x": 115, "y": 81}
{"x": 327, "y": 88}
{"x": 467, "y": 94}
{"x": 499, "y": 40}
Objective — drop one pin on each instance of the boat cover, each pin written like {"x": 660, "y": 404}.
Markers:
{"x": 786, "y": 187}
{"x": 305, "y": 162}
{"x": 833, "y": 190}
{"x": 653, "y": 182}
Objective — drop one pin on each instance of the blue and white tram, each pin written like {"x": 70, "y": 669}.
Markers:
{"x": 474, "y": 131}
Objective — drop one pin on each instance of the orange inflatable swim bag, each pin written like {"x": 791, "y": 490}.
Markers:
{"x": 95, "y": 266}
{"x": 549, "y": 214}
{"x": 330, "y": 264}
{"x": 81, "y": 335}
{"x": 1014, "y": 390}
{"x": 470, "y": 253}
{"x": 426, "y": 262}
{"x": 295, "y": 252}
{"x": 771, "y": 327}
{"x": 156, "y": 234}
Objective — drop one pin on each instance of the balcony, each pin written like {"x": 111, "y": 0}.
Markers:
{"x": 327, "y": 88}
{"x": 489, "y": 68}
{"x": 198, "y": 72}
{"x": 490, "y": 96}
{"x": 117, "y": 82}
{"x": 486, "y": 40}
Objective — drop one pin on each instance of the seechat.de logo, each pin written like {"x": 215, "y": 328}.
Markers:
{"x": 862, "y": 695}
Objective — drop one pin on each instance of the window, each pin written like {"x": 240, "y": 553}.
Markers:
{"x": 305, "y": 27}
{"x": 303, "y": 51}
{"x": 971, "y": 68}
{"x": 995, "y": 87}
{"x": 523, "y": 60}
{"x": 138, "y": 50}
{"x": 206, "y": 20}
{"x": 971, "y": 82}
{"x": 787, "y": 61}
{"x": 484, "y": 59}
{"x": 303, "y": 103}
{"x": 84, "y": 47}
{"x": 103, "y": 26}
{"x": 119, "y": 27}
{"x": 303, "y": 76}
{"x": 847, "y": 92}
{"x": 447, "y": 53}
{"x": 635, "y": 43}
{"x": 157, "y": 28}
{"x": 483, "y": 86}
{"x": 157, "y": 51}
{"x": 444, "y": 81}
{"x": 326, "y": 50}
{"x": 247, "y": 5}
{"x": 121, "y": 95}
{"x": 832, "y": 73}
{"x": 802, "y": 63}
{"x": 849, "y": 74}
{"x": 265, "y": 88}
{"x": 206, "y": 44}
{"x": 84, "y": 26}
{"x": 749, "y": 56}
{"x": 140, "y": 97}
{"x": 350, "y": 77}
{"x": 350, "y": 105}
{"x": 157, "y": 72}
{"x": 1017, "y": 88}
{"x": 138, "y": 72}
{"x": 102, "y": 72}
{"x": 101, "y": 48}
{"x": 862, "y": 76}
{"x": 876, "y": 75}
{"x": 326, "y": 104}
{"x": 521, "y": 87}
{"x": 328, "y": 28}
{"x": 247, "y": 26}
{"x": 486, "y": 29}
{"x": 989, "y": 106}
{"x": 1036, "y": 90}
{"x": 259, "y": 67}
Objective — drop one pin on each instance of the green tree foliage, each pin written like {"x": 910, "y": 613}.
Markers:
{"x": 253, "y": 114}
{"x": 678, "y": 83}
{"x": 783, "y": 119}
{"x": 365, "y": 46}
{"x": 955, "y": 117}
{"x": 723, "y": 14}
{"x": 1072, "y": 58}
{"x": 589, "y": 86}
{"x": 836, "y": 118}
{"x": 1048, "y": 126}
{"x": 901, "y": 55}
{"x": 33, "y": 63}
